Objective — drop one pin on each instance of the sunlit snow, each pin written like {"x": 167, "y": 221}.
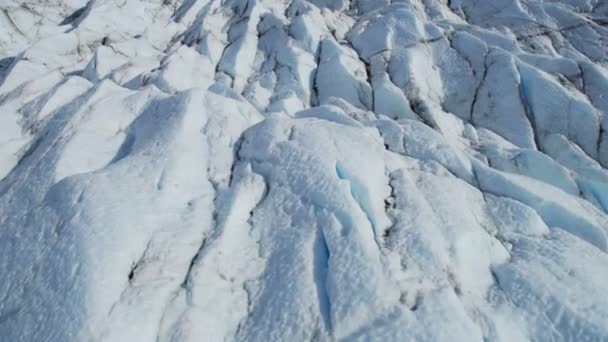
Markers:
{"x": 303, "y": 170}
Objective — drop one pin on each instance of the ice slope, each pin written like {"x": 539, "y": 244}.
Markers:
{"x": 306, "y": 170}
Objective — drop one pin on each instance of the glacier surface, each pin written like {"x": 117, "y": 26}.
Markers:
{"x": 303, "y": 170}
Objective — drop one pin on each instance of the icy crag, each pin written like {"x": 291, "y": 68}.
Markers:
{"x": 322, "y": 170}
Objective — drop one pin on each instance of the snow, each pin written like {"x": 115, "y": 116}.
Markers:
{"x": 328, "y": 170}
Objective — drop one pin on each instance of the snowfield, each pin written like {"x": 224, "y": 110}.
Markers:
{"x": 303, "y": 170}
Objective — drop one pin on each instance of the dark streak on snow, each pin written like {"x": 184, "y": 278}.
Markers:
{"x": 320, "y": 270}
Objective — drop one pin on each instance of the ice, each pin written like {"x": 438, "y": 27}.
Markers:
{"x": 176, "y": 75}
{"x": 533, "y": 164}
{"x": 421, "y": 142}
{"x": 103, "y": 62}
{"x": 315, "y": 170}
{"x": 514, "y": 218}
{"x": 341, "y": 74}
{"x": 557, "y": 208}
{"x": 388, "y": 98}
{"x": 539, "y": 280}
{"x": 577, "y": 119}
{"x": 503, "y": 107}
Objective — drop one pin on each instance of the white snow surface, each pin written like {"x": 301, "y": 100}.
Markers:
{"x": 303, "y": 170}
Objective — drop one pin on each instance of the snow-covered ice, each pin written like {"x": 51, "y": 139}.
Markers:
{"x": 303, "y": 170}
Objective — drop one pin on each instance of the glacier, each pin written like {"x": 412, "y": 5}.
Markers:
{"x": 303, "y": 170}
